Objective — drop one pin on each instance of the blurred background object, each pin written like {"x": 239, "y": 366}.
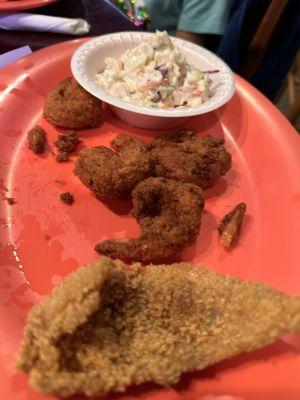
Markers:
{"x": 200, "y": 21}
{"x": 102, "y": 15}
{"x": 289, "y": 96}
{"x": 135, "y": 10}
{"x": 261, "y": 41}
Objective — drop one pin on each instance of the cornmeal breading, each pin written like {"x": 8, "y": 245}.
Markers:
{"x": 105, "y": 328}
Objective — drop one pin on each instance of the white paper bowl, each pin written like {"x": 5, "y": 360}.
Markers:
{"x": 89, "y": 58}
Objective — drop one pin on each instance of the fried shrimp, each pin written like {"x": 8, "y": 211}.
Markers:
{"x": 122, "y": 141}
{"x": 67, "y": 143}
{"x": 169, "y": 214}
{"x": 70, "y": 106}
{"x": 113, "y": 174}
{"x": 187, "y": 157}
{"x": 106, "y": 327}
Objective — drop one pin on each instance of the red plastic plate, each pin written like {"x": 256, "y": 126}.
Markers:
{"x": 18, "y": 5}
{"x": 42, "y": 239}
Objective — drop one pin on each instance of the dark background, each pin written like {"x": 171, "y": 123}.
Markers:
{"x": 103, "y": 16}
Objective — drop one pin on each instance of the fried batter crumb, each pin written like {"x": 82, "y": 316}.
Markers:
{"x": 106, "y": 327}
{"x": 37, "y": 139}
{"x": 67, "y": 198}
{"x": 230, "y": 226}
{"x": 67, "y": 143}
{"x": 10, "y": 200}
{"x": 60, "y": 181}
{"x": 62, "y": 157}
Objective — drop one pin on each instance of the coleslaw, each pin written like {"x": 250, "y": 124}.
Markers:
{"x": 155, "y": 74}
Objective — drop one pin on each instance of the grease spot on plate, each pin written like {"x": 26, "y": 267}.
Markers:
{"x": 28, "y": 66}
{"x": 12, "y": 133}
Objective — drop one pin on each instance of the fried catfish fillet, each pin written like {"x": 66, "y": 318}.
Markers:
{"x": 106, "y": 327}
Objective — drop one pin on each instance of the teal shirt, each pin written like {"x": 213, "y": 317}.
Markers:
{"x": 196, "y": 16}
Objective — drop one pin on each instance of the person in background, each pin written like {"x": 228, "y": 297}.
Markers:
{"x": 198, "y": 21}
{"x": 192, "y": 20}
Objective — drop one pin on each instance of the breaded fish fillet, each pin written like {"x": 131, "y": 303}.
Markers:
{"x": 105, "y": 328}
